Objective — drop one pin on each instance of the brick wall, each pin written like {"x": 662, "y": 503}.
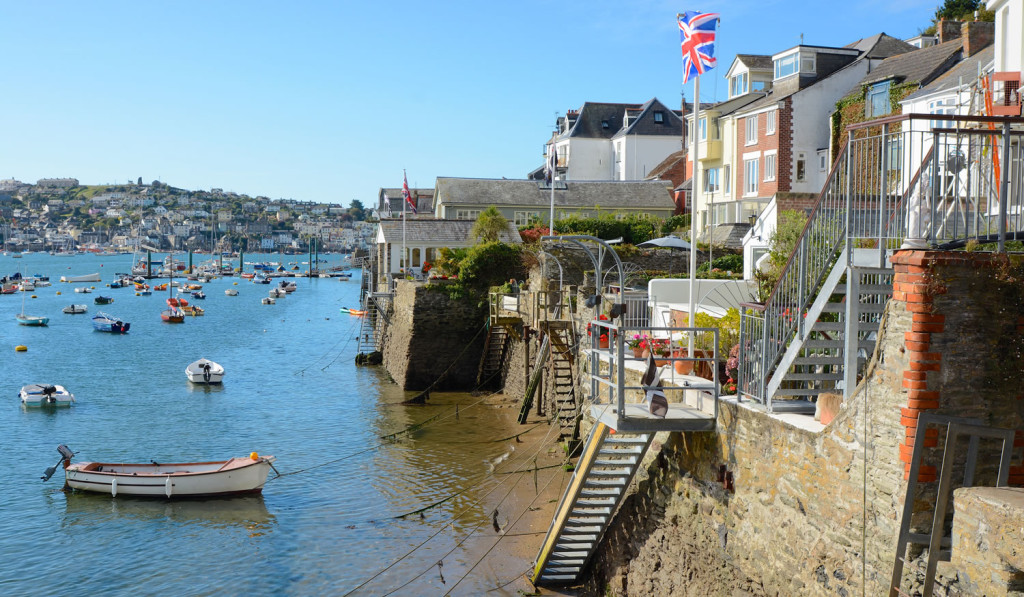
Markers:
{"x": 780, "y": 140}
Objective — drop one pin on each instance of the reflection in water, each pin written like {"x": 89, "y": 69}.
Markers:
{"x": 249, "y": 512}
{"x": 202, "y": 388}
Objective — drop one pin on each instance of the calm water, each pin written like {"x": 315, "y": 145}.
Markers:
{"x": 290, "y": 390}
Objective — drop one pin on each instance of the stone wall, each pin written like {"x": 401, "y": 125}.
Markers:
{"x": 812, "y": 509}
{"x": 988, "y": 540}
{"x": 433, "y": 341}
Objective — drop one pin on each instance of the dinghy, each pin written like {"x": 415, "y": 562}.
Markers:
{"x": 204, "y": 371}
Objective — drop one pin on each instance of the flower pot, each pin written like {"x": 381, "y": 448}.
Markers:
{"x": 683, "y": 367}
{"x": 603, "y": 342}
{"x": 638, "y": 352}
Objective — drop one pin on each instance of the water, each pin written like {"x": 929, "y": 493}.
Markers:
{"x": 290, "y": 390}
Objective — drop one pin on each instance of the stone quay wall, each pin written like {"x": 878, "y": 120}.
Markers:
{"x": 781, "y": 505}
{"x": 433, "y": 341}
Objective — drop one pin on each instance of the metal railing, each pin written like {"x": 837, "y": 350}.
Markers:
{"x": 912, "y": 181}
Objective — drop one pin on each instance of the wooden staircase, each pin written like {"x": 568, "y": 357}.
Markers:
{"x": 496, "y": 347}
{"x": 605, "y": 469}
{"x": 562, "y": 376}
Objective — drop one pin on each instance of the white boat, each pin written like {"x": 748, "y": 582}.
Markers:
{"x": 75, "y": 309}
{"x": 231, "y": 292}
{"x": 86, "y": 278}
{"x": 277, "y": 292}
{"x": 235, "y": 476}
{"x": 41, "y": 394}
{"x": 83, "y": 290}
{"x": 204, "y": 371}
{"x": 27, "y": 286}
{"x": 268, "y": 301}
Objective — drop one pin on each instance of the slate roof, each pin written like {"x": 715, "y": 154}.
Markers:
{"x": 968, "y": 69}
{"x": 756, "y": 61}
{"x": 644, "y": 123}
{"x": 424, "y": 200}
{"x": 592, "y": 114}
{"x": 631, "y": 195}
{"x": 439, "y": 232}
{"x": 920, "y": 66}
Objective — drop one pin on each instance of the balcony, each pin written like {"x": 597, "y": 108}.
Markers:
{"x": 710, "y": 149}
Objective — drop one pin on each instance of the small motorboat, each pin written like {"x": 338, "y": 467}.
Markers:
{"x": 86, "y": 278}
{"x": 278, "y": 292}
{"x": 193, "y": 310}
{"x": 75, "y": 309}
{"x": 287, "y": 286}
{"x": 198, "y": 294}
{"x": 231, "y": 292}
{"x": 234, "y": 476}
{"x": 352, "y": 311}
{"x": 268, "y": 301}
{"x": 103, "y": 300}
{"x": 83, "y": 290}
{"x": 204, "y": 371}
{"x": 110, "y": 324}
{"x": 43, "y": 394}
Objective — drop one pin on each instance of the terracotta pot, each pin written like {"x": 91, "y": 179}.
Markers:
{"x": 638, "y": 352}
{"x": 602, "y": 343}
{"x": 683, "y": 367}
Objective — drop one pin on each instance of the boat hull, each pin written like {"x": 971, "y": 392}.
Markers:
{"x": 237, "y": 476}
{"x": 197, "y": 373}
{"x": 105, "y": 323}
{"x": 32, "y": 395}
{"x": 32, "y": 321}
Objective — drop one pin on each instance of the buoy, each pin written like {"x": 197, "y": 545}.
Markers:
{"x": 93, "y": 287}
{"x": 58, "y": 293}
{"x": 34, "y": 296}
{"x": 137, "y": 294}
{"x": 236, "y": 283}
{"x": 254, "y": 456}
{"x": 20, "y": 348}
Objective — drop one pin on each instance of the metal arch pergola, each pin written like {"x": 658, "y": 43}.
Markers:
{"x": 597, "y": 260}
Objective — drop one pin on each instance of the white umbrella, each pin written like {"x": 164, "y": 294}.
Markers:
{"x": 672, "y": 242}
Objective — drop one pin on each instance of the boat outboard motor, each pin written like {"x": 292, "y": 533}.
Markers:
{"x": 206, "y": 372}
{"x": 49, "y": 392}
{"x": 65, "y": 456}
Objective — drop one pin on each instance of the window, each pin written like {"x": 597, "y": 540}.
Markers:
{"x": 659, "y": 117}
{"x": 769, "y": 122}
{"x": 801, "y": 167}
{"x": 738, "y": 85}
{"x": 786, "y": 65}
{"x": 726, "y": 176}
{"x": 604, "y": 124}
{"x": 751, "y": 129}
{"x": 946, "y": 106}
{"x": 822, "y": 162}
{"x": 807, "y": 63}
{"x": 702, "y": 129}
{"x": 876, "y": 103}
{"x": 769, "y": 166}
{"x": 750, "y": 177}
{"x": 758, "y": 85}
{"x": 710, "y": 177}
{"x": 525, "y": 218}
{"x": 467, "y": 214}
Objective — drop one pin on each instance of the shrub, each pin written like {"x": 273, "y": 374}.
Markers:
{"x": 491, "y": 264}
{"x": 675, "y": 224}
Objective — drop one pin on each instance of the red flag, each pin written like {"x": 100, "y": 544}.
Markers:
{"x": 405, "y": 193}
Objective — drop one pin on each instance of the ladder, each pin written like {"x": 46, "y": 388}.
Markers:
{"x": 495, "y": 350}
{"x": 563, "y": 387}
{"x": 937, "y": 540}
{"x": 604, "y": 471}
{"x": 371, "y": 328}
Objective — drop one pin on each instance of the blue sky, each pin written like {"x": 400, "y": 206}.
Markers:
{"x": 328, "y": 101}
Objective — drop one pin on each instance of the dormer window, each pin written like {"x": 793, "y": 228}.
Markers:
{"x": 790, "y": 64}
{"x": 738, "y": 85}
{"x": 659, "y": 117}
{"x": 604, "y": 124}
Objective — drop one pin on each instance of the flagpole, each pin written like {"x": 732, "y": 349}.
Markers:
{"x": 695, "y": 144}
{"x": 553, "y": 159}
{"x": 402, "y": 261}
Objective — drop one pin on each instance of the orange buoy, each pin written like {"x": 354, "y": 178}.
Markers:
{"x": 254, "y": 456}
{"x": 23, "y": 348}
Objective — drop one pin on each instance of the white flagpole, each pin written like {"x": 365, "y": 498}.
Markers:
{"x": 403, "y": 261}
{"x": 553, "y": 159}
{"x": 695, "y": 192}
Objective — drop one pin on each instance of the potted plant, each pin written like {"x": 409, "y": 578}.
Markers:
{"x": 638, "y": 343}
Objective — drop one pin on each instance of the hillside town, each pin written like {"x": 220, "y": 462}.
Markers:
{"x": 61, "y": 215}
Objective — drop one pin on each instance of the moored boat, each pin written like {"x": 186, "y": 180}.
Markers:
{"x": 193, "y": 310}
{"x": 234, "y": 476}
{"x": 204, "y": 371}
{"x": 103, "y": 300}
{"x": 43, "y": 394}
{"x": 231, "y": 292}
{"x": 75, "y": 309}
{"x": 268, "y": 301}
{"x": 83, "y": 290}
{"x": 103, "y": 322}
{"x": 86, "y": 278}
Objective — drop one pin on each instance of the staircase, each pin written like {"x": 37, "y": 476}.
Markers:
{"x": 604, "y": 471}
{"x": 563, "y": 386}
{"x": 371, "y": 328}
{"x": 495, "y": 350}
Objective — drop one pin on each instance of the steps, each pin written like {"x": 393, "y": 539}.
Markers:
{"x": 563, "y": 387}
{"x": 604, "y": 471}
{"x": 495, "y": 350}
{"x": 371, "y": 328}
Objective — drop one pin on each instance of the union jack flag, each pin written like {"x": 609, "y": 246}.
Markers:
{"x": 697, "y": 32}
{"x": 406, "y": 195}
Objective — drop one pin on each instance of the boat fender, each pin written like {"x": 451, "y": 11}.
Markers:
{"x": 167, "y": 486}
{"x": 113, "y": 487}
{"x": 254, "y": 456}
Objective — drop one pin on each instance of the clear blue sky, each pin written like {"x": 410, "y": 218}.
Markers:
{"x": 328, "y": 101}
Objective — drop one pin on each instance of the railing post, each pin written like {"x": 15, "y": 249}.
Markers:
{"x": 847, "y": 241}
{"x": 1004, "y": 188}
{"x": 883, "y": 195}
{"x": 801, "y": 287}
{"x": 743, "y": 376}
{"x": 934, "y": 188}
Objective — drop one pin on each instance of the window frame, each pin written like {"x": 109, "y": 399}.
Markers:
{"x": 877, "y": 91}
{"x": 750, "y": 134}
{"x": 738, "y": 84}
{"x": 770, "y": 166}
{"x": 750, "y": 177}
{"x": 791, "y": 60}
{"x": 769, "y": 122}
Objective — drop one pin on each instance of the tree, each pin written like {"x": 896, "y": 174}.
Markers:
{"x": 356, "y": 210}
{"x": 489, "y": 225}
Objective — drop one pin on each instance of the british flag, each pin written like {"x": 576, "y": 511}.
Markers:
{"x": 405, "y": 193}
{"x": 697, "y": 32}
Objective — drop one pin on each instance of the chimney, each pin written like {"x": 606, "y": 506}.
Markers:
{"x": 977, "y": 35}
{"x": 948, "y": 30}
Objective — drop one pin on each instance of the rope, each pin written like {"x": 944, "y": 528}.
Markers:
{"x": 454, "y": 362}
{"x": 445, "y": 526}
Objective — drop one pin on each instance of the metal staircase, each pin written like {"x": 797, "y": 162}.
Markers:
{"x": 371, "y": 328}
{"x": 597, "y": 488}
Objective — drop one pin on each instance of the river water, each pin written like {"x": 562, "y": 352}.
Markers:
{"x": 329, "y": 526}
